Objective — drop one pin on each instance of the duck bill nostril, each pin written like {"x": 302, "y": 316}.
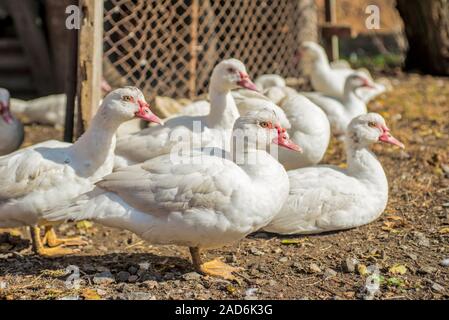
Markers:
{"x": 146, "y": 114}
{"x": 245, "y": 82}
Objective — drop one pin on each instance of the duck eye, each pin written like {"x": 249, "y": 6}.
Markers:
{"x": 265, "y": 124}
{"x": 372, "y": 124}
{"x": 128, "y": 98}
{"x": 231, "y": 70}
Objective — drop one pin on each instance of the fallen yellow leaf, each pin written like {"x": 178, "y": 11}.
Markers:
{"x": 362, "y": 269}
{"x": 84, "y": 224}
{"x": 398, "y": 269}
{"x": 90, "y": 294}
{"x": 444, "y": 230}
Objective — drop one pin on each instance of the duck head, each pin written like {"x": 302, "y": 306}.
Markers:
{"x": 128, "y": 103}
{"x": 370, "y": 128}
{"x": 231, "y": 74}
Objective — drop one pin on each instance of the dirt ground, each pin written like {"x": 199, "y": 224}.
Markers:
{"x": 405, "y": 251}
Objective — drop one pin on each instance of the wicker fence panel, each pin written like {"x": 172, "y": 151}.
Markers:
{"x": 170, "y": 47}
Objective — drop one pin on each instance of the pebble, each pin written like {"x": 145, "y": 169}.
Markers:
{"x": 437, "y": 287}
{"x": 144, "y": 266}
{"x": 139, "y": 295}
{"x": 3, "y": 285}
{"x": 104, "y": 277}
{"x": 191, "y": 276}
{"x": 169, "y": 276}
{"x": 101, "y": 292}
{"x": 132, "y": 270}
{"x": 256, "y": 252}
{"x": 272, "y": 283}
{"x": 123, "y": 276}
{"x": 329, "y": 273}
{"x": 133, "y": 278}
{"x": 151, "y": 284}
{"x": 349, "y": 265}
{"x": 421, "y": 239}
{"x": 444, "y": 263}
{"x": 231, "y": 259}
{"x": 314, "y": 268}
{"x": 283, "y": 259}
{"x": 427, "y": 270}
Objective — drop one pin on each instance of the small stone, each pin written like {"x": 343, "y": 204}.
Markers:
{"x": 437, "y": 287}
{"x": 444, "y": 263}
{"x": 314, "y": 268}
{"x": 412, "y": 256}
{"x": 144, "y": 266}
{"x": 123, "y": 276}
{"x": 256, "y": 252}
{"x": 272, "y": 282}
{"x": 69, "y": 298}
{"x": 446, "y": 205}
{"x": 191, "y": 276}
{"x": 88, "y": 268}
{"x": 101, "y": 292}
{"x": 283, "y": 259}
{"x": 421, "y": 239}
{"x": 151, "y": 284}
{"x": 132, "y": 270}
{"x": 3, "y": 285}
{"x": 104, "y": 277}
{"x": 140, "y": 296}
{"x": 329, "y": 273}
{"x": 133, "y": 278}
{"x": 169, "y": 276}
{"x": 261, "y": 235}
{"x": 349, "y": 265}
{"x": 427, "y": 270}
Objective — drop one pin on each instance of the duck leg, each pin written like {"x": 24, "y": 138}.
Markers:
{"x": 39, "y": 248}
{"x": 52, "y": 240}
{"x": 216, "y": 267}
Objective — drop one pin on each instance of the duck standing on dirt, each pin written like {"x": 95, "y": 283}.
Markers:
{"x": 200, "y": 201}
{"x": 11, "y": 129}
{"x": 51, "y": 173}
{"x": 328, "y": 198}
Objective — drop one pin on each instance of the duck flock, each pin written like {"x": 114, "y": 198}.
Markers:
{"x": 245, "y": 160}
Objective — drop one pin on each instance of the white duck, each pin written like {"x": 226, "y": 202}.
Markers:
{"x": 309, "y": 128}
{"x": 48, "y": 110}
{"x": 266, "y": 81}
{"x": 327, "y": 198}
{"x": 211, "y": 130}
{"x": 331, "y": 81}
{"x": 306, "y": 124}
{"x": 199, "y": 201}
{"x": 341, "y": 111}
{"x": 48, "y": 174}
{"x": 11, "y": 129}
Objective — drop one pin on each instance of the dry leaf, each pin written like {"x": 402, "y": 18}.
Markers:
{"x": 398, "y": 269}
{"x": 89, "y": 294}
{"x": 444, "y": 230}
{"x": 84, "y": 224}
{"x": 362, "y": 269}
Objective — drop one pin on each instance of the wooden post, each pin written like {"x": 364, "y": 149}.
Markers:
{"x": 331, "y": 17}
{"x": 90, "y": 44}
{"x": 193, "y": 49}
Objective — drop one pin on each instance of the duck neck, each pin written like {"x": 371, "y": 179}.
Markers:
{"x": 97, "y": 144}
{"x": 363, "y": 164}
{"x": 352, "y": 102}
{"x": 223, "y": 110}
{"x": 321, "y": 62}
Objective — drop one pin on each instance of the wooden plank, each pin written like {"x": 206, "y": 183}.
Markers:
{"x": 24, "y": 14}
{"x": 332, "y": 41}
{"x": 90, "y": 45}
{"x": 341, "y": 31}
{"x": 193, "y": 48}
{"x": 13, "y": 62}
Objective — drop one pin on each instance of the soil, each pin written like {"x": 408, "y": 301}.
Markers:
{"x": 405, "y": 251}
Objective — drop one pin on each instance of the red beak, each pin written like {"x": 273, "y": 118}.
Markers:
{"x": 6, "y": 113}
{"x": 388, "y": 138}
{"x": 368, "y": 84}
{"x": 285, "y": 142}
{"x": 146, "y": 114}
{"x": 245, "y": 82}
